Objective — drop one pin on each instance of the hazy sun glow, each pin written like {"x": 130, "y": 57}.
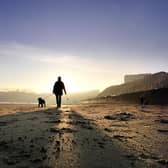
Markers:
{"x": 37, "y": 70}
{"x": 70, "y": 87}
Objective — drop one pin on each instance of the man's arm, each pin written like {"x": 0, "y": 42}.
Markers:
{"x": 53, "y": 89}
{"x": 64, "y": 89}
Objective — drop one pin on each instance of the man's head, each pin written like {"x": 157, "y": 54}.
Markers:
{"x": 59, "y": 78}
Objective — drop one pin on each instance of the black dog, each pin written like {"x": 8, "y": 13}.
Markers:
{"x": 41, "y": 102}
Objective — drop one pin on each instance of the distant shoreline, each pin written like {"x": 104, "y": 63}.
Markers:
{"x": 18, "y": 103}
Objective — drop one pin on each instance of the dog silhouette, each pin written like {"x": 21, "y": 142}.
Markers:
{"x": 41, "y": 102}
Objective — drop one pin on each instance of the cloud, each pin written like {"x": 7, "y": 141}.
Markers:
{"x": 17, "y": 50}
{"x": 52, "y": 58}
{"x": 32, "y": 64}
{"x": 62, "y": 61}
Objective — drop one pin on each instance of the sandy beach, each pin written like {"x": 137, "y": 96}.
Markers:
{"x": 84, "y": 136}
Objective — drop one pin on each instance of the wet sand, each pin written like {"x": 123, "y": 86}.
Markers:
{"x": 84, "y": 136}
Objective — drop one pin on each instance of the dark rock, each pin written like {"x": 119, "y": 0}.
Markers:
{"x": 164, "y": 121}
{"x": 20, "y": 139}
{"x": 27, "y": 155}
{"x": 3, "y": 123}
{"x": 124, "y": 116}
{"x": 55, "y": 130}
{"x": 3, "y": 145}
{"x": 43, "y": 150}
{"x": 31, "y": 141}
{"x": 163, "y": 130}
{"x": 118, "y": 136}
{"x": 107, "y": 129}
{"x": 163, "y": 162}
{"x": 68, "y": 130}
{"x": 58, "y": 142}
{"x": 53, "y": 121}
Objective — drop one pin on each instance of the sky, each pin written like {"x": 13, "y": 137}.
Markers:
{"x": 91, "y": 44}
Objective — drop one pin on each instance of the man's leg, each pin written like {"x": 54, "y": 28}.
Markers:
{"x": 59, "y": 105}
{"x": 60, "y": 100}
{"x": 57, "y": 100}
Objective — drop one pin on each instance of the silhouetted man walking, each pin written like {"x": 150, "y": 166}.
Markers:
{"x": 58, "y": 91}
